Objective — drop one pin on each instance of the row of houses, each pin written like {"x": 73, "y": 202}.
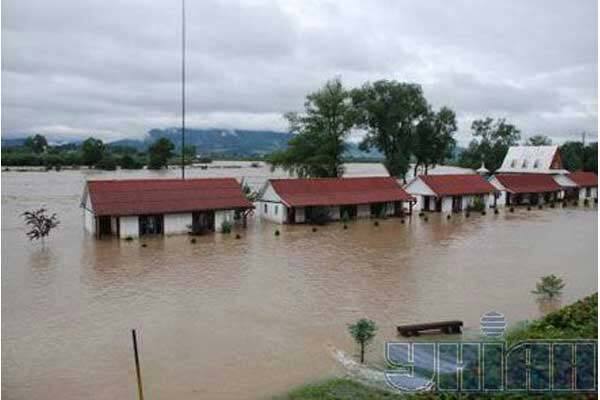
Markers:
{"x": 132, "y": 208}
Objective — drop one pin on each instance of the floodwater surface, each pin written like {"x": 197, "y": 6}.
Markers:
{"x": 229, "y": 318}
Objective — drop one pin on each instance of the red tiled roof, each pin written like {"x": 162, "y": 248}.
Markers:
{"x": 582, "y": 178}
{"x": 338, "y": 191}
{"x": 163, "y": 196}
{"x": 454, "y": 185}
{"x": 528, "y": 183}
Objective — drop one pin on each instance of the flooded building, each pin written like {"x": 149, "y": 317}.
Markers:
{"x": 314, "y": 200}
{"x": 587, "y": 184}
{"x": 451, "y": 193}
{"x": 532, "y": 160}
{"x": 530, "y": 189}
{"x": 137, "y": 207}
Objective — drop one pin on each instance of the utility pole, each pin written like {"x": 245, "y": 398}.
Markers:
{"x": 583, "y": 150}
{"x": 137, "y": 366}
{"x": 182, "y": 89}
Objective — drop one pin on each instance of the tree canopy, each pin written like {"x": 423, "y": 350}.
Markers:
{"x": 538, "y": 140}
{"x": 433, "y": 142}
{"x": 92, "y": 151}
{"x": 390, "y": 111}
{"x": 159, "y": 153}
{"x": 36, "y": 143}
{"x": 318, "y": 147}
{"x": 575, "y": 156}
{"x": 492, "y": 138}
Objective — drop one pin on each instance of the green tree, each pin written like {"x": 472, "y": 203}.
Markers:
{"x": 159, "y": 153}
{"x": 490, "y": 144}
{"x": 318, "y": 147}
{"x": 571, "y": 154}
{"x": 390, "y": 112}
{"x": 538, "y": 140}
{"x": 92, "y": 151}
{"x": 591, "y": 157}
{"x": 108, "y": 162}
{"x": 37, "y": 143}
{"x": 129, "y": 162}
{"x": 549, "y": 287}
{"x": 433, "y": 141}
{"x": 40, "y": 223}
{"x": 363, "y": 332}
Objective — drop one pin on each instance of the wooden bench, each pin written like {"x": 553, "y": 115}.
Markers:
{"x": 447, "y": 327}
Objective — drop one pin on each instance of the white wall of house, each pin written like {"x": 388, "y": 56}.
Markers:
{"x": 501, "y": 201}
{"x": 592, "y": 193}
{"x": 418, "y": 189}
{"x": 89, "y": 219}
{"x": 177, "y": 223}
{"x": 129, "y": 226}
{"x": 223, "y": 216}
{"x": 274, "y": 212}
{"x": 363, "y": 211}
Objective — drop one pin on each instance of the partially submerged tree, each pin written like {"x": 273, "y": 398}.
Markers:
{"x": 318, "y": 147}
{"x": 549, "y": 287}
{"x": 433, "y": 141}
{"x": 40, "y": 223}
{"x": 390, "y": 112}
{"x": 363, "y": 332}
{"x": 159, "y": 153}
{"x": 92, "y": 151}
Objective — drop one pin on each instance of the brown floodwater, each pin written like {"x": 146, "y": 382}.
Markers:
{"x": 254, "y": 317}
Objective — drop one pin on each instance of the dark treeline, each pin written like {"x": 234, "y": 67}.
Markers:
{"x": 402, "y": 125}
{"x": 93, "y": 153}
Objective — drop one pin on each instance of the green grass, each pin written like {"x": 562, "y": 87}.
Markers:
{"x": 576, "y": 321}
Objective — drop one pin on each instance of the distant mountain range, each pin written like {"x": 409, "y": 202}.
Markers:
{"x": 225, "y": 142}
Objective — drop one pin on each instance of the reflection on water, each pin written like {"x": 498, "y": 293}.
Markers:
{"x": 547, "y": 305}
{"x": 248, "y": 318}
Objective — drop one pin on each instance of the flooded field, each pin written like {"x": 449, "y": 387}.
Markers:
{"x": 251, "y": 318}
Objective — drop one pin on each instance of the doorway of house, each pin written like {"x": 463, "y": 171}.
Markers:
{"x": 438, "y": 204}
{"x": 151, "y": 224}
{"x": 348, "y": 212}
{"x": 202, "y": 222}
{"x": 457, "y": 202}
{"x": 104, "y": 225}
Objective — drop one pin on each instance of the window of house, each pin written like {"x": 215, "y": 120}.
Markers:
{"x": 536, "y": 164}
{"x": 266, "y": 208}
{"x": 588, "y": 192}
{"x": 276, "y": 210}
{"x": 524, "y": 164}
{"x": 513, "y": 163}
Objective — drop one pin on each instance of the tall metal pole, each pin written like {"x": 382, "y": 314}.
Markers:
{"x": 182, "y": 89}
{"x": 137, "y": 366}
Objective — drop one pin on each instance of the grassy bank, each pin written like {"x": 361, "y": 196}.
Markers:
{"x": 576, "y": 321}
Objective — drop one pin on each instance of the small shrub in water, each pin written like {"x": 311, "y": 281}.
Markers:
{"x": 144, "y": 245}
{"x": 314, "y": 229}
{"x": 449, "y": 216}
{"x": 128, "y": 238}
{"x": 277, "y": 233}
{"x": 552, "y": 205}
{"x": 528, "y": 208}
{"x": 376, "y": 223}
{"x": 193, "y": 240}
{"x": 345, "y": 226}
{"x": 426, "y": 219}
{"x": 226, "y": 227}
{"x": 549, "y": 286}
{"x": 468, "y": 214}
{"x": 421, "y": 214}
{"x": 512, "y": 209}
{"x": 586, "y": 202}
{"x": 238, "y": 236}
{"x": 483, "y": 212}
{"x": 496, "y": 211}
{"x": 401, "y": 221}
{"x": 540, "y": 206}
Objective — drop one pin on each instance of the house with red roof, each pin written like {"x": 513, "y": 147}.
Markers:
{"x": 587, "y": 183}
{"x": 450, "y": 193}
{"x": 289, "y": 201}
{"x": 531, "y": 189}
{"x": 136, "y": 207}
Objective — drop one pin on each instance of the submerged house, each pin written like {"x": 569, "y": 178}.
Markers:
{"x": 531, "y": 189}
{"x": 532, "y": 160}
{"x": 136, "y": 207}
{"x": 451, "y": 193}
{"x": 289, "y": 201}
{"x": 587, "y": 184}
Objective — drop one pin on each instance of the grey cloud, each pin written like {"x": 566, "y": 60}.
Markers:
{"x": 112, "y": 68}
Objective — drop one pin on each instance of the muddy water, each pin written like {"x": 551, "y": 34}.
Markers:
{"x": 250, "y": 318}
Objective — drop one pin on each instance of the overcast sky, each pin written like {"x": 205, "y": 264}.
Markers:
{"x": 112, "y": 68}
